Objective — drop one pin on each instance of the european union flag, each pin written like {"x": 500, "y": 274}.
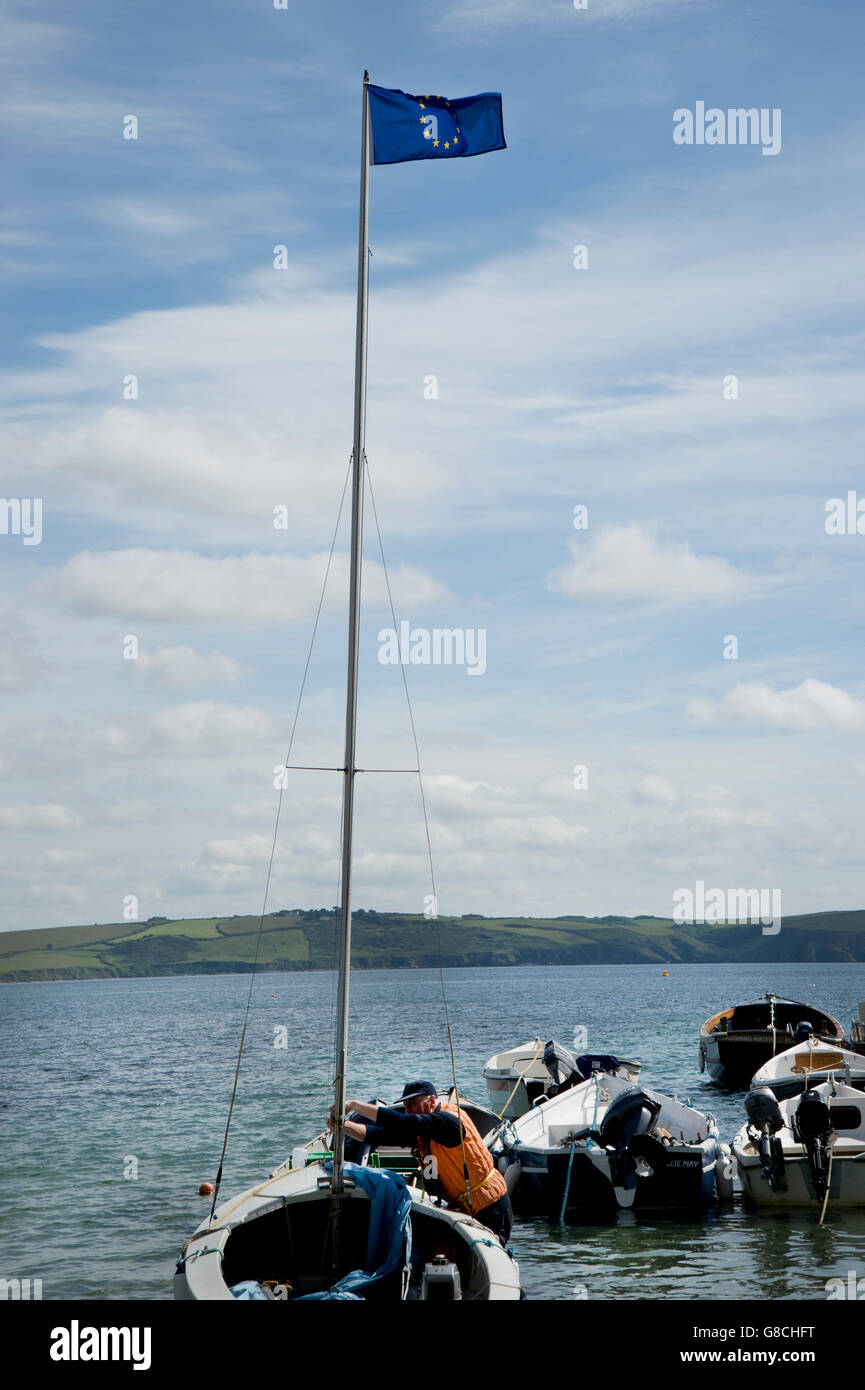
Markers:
{"x": 406, "y": 127}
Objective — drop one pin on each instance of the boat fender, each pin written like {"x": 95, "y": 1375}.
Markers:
{"x": 512, "y": 1177}
{"x": 724, "y": 1173}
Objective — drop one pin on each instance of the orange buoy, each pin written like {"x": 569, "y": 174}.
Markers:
{"x": 665, "y": 972}
{"x": 206, "y": 1189}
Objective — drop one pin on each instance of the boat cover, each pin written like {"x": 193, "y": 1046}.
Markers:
{"x": 389, "y": 1242}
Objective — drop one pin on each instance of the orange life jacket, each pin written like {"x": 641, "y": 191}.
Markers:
{"x": 486, "y": 1182}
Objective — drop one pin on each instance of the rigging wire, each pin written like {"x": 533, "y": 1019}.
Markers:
{"x": 273, "y": 844}
{"x": 456, "y": 1091}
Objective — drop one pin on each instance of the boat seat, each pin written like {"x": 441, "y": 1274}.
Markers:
{"x": 817, "y": 1061}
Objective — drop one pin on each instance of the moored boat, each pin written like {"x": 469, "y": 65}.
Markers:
{"x": 275, "y": 1241}
{"x": 607, "y": 1144}
{"x": 807, "y": 1064}
{"x": 807, "y": 1151}
{"x": 735, "y": 1042}
{"x": 517, "y": 1078}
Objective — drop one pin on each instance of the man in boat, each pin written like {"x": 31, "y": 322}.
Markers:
{"x": 464, "y": 1170}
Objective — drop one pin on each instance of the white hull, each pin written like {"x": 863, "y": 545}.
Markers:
{"x": 846, "y": 1183}
{"x": 791, "y": 1182}
{"x": 555, "y": 1167}
{"x": 235, "y": 1248}
{"x": 809, "y": 1064}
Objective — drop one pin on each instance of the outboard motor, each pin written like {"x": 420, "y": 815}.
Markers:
{"x": 626, "y": 1136}
{"x": 560, "y": 1063}
{"x": 764, "y": 1114}
{"x": 812, "y": 1126}
{"x": 590, "y": 1062}
{"x": 803, "y": 1032}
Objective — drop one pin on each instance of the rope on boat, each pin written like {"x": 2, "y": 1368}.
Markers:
{"x": 828, "y": 1183}
{"x": 273, "y": 847}
{"x": 567, "y": 1192}
{"x": 456, "y": 1092}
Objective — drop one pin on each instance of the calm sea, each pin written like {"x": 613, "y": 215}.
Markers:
{"x": 116, "y": 1093}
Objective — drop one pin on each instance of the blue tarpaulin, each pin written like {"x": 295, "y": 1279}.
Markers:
{"x": 388, "y": 1245}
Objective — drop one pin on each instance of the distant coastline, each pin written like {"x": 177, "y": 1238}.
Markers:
{"x": 304, "y": 939}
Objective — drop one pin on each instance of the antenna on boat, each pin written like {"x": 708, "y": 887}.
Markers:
{"x": 349, "y": 768}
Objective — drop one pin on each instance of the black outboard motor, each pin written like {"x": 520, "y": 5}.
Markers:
{"x": 764, "y": 1114}
{"x": 803, "y": 1032}
{"x": 560, "y": 1063}
{"x": 590, "y": 1062}
{"x": 812, "y": 1126}
{"x": 626, "y": 1135}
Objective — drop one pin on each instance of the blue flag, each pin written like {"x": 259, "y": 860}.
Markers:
{"x": 406, "y": 127}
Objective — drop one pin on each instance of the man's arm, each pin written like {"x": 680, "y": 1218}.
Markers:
{"x": 398, "y": 1128}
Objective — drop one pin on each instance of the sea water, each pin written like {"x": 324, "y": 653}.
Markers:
{"x": 116, "y": 1093}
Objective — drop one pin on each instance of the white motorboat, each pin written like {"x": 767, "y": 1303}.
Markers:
{"x": 517, "y": 1078}
{"x": 808, "y": 1064}
{"x": 333, "y": 1229}
{"x": 806, "y": 1151}
{"x": 605, "y": 1145}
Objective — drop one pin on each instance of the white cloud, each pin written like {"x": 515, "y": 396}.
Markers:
{"x": 498, "y": 14}
{"x": 44, "y": 815}
{"x": 447, "y": 792}
{"x": 653, "y": 788}
{"x": 207, "y": 726}
{"x": 811, "y": 705}
{"x": 627, "y": 562}
{"x": 540, "y": 831}
{"x": 186, "y": 666}
{"x": 19, "y": 663}
{"x": 184, "y": 586}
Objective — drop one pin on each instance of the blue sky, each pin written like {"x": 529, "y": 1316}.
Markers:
{"x": 556, "y": 387}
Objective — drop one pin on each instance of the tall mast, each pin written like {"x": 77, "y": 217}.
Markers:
{"x": 353, "y": 629}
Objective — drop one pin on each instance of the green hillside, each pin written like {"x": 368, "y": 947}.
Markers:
{"x": 305, "y": 940}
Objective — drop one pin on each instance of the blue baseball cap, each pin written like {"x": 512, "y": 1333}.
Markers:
{"x": 413, "y": 1089}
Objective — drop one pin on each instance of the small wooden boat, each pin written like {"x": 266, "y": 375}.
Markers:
{"x": 606, "y": 1145}
{"x": 808, "y": 1064}
{"x": 517, "y": 1078}
{"x": 736, "y": 1042}
{"x": 808, "y": 1151}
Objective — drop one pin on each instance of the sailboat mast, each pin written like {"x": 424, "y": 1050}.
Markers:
{"x": 353, "y": 632}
